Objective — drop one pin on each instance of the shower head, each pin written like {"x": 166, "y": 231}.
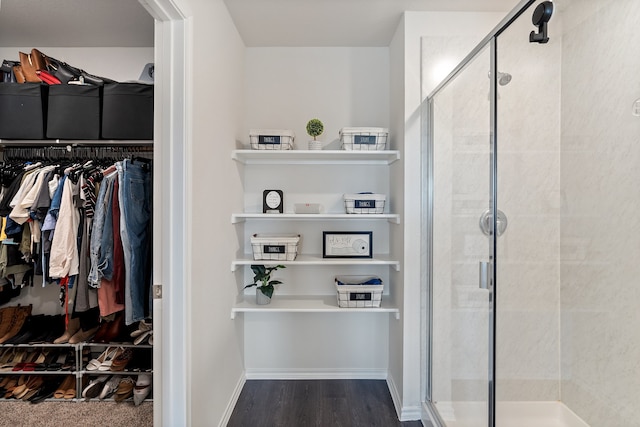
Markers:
{"x": 503, "y": 78}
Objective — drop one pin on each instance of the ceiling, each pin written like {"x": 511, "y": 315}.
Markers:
{"x": 125, "y": 23}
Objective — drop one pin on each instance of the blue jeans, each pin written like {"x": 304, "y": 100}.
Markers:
{"x": 135, "y": 229}
{"x": 101, "y": 252}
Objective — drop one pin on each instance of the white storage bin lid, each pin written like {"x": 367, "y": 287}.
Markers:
{"x": 357, "y": 131}
{"x": 272, "y": 132}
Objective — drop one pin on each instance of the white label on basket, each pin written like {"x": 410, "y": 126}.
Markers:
{"x": 273, "y": 249}
{"x": 364, "y": 139}
{"x": 360, "y": 296}
{"x": 268, "y": 139}
{"x": 365, "y": 204}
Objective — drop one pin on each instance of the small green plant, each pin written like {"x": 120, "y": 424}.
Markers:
{"x": 315, "y": 128}
{"x": 262, "y": 278}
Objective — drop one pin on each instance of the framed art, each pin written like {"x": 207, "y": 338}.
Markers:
{"x": 347, "y": 244}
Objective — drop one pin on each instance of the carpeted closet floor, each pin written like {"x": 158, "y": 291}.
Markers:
{"x": 71, "y": 414}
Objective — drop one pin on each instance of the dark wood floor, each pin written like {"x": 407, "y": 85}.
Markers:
{"x": 323, "y": 403}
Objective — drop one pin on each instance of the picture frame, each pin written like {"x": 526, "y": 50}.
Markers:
{"x": 347, "y": 244}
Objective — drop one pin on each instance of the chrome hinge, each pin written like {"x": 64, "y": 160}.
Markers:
{"x": 157, "y": 291}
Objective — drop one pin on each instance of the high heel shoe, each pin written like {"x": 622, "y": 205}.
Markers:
{"x": 94, "y": 364}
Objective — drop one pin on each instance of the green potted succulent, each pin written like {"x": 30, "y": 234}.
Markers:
{"x": 263, "y": 283}
{"x": 315, "y": 127}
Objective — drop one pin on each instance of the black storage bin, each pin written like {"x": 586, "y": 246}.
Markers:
{"x": 73, "y": 112}
{"x": 127, "y": 111}
{"x": 22, "y": 110}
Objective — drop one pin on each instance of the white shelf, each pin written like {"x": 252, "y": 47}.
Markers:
{"x": 241, "y": 217}
{"x": 266, "y": 157}
{"x": 319, "y": 261}
{"x": 304, "y": 304}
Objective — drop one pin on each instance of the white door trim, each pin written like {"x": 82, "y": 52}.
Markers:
{"x": 171, "y": 265}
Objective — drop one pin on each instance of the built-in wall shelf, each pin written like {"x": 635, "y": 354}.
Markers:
{"x": 303, "y": 304}
{"x": 241, "y": 217}
{"x": 317, "y": 260}
{"x": 256, "y": 157}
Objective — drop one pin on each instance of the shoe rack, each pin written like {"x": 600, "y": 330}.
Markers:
{"x": 58, "y": 372}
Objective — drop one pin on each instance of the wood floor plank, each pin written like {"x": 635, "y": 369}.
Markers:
{"x": 321, "y": 403}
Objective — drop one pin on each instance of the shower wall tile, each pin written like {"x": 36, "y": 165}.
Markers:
{"x": 600, "y": 226}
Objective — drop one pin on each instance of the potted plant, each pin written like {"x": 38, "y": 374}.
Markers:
{"x": 263, "y": 283}
{"x": 315, "y": 127}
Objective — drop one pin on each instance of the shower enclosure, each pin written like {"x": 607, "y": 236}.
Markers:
{"x": 533, "y": 224}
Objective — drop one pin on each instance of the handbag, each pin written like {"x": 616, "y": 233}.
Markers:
{"x": 7, "y": 71}
{"x": 17, "y": 72}
{"x": 28, "y": 68}
{"x": 48, "y": 78}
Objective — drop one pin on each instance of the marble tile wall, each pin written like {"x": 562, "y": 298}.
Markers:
{"x": 600, "y": 224}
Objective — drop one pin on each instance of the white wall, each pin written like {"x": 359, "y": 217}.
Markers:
{"x": 214, "y": 191}
{"x": 285, "y": 87}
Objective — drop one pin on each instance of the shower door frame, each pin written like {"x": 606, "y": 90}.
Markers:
{"x": 490, "y": 40}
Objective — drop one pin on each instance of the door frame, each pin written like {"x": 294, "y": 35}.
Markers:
{"x": 171, "y": 192}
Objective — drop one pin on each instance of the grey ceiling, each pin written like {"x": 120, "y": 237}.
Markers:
{"x": 125, "y": 23}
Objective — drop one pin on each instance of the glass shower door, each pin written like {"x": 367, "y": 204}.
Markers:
{"x": 461, "y": 275}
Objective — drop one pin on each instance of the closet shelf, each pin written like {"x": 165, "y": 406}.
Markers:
{"x": 298, "y": 157}
{"x": 241, "y": 217}
{"x": 304, "y": 304}
{"x": 74, "y": 142}
{"x": 319, "y": 261}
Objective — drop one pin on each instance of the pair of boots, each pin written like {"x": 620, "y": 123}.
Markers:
{"x": 74, "y": 334}
{"x": 12, "y": 319}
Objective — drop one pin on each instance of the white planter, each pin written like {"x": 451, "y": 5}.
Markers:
{"x": 262, "y": 299}
{"x": 315, "y": 145}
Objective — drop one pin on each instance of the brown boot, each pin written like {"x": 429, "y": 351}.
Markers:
{"x": 72, "y": 328}
{"x": 19, "y": 317}
{"x": 6, "y": 317}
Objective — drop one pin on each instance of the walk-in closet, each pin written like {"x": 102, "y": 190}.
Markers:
{"x": 76, "y": 253}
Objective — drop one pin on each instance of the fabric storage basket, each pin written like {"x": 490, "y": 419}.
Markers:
{"x": 22, "y": 110}
{"x": 271, "y": 139}
{"x": 364, "y": 203}
{"x": 359, "y": 291}
{"x": 127, "y": 111}
{"x": 364, "y": 139}
{"x": 74, "y": 111}
{"x": 272, "y": 247}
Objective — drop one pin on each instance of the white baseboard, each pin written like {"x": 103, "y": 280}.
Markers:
{"x": 232, "y": 402}
{"x": 316, "y": 374}
{"x": 405, "y": 413}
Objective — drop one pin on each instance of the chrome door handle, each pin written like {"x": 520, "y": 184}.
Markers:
{"x": 486, "y": 281}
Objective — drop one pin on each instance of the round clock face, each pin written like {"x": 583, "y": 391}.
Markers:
{"x": 273, "y": 199}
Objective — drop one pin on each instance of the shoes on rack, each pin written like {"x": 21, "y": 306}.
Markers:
{"x": 108, "y": 361}
{"x": 94, "y": 387}
{"x": 49, "y": 387}
{"x": 82, "y": 335}
{"x": 144, "y": 332}
{"x": 110, "y": 387}
{"x": 72, "y": 327}
{"x": 67, "y": 389}
{"x": 95, "y": 364}
{"x": 125, "y": 389}
{"x": 121, "y": 360}
{"x": 142, "y": 388}
{"x": 112, "y": 331}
